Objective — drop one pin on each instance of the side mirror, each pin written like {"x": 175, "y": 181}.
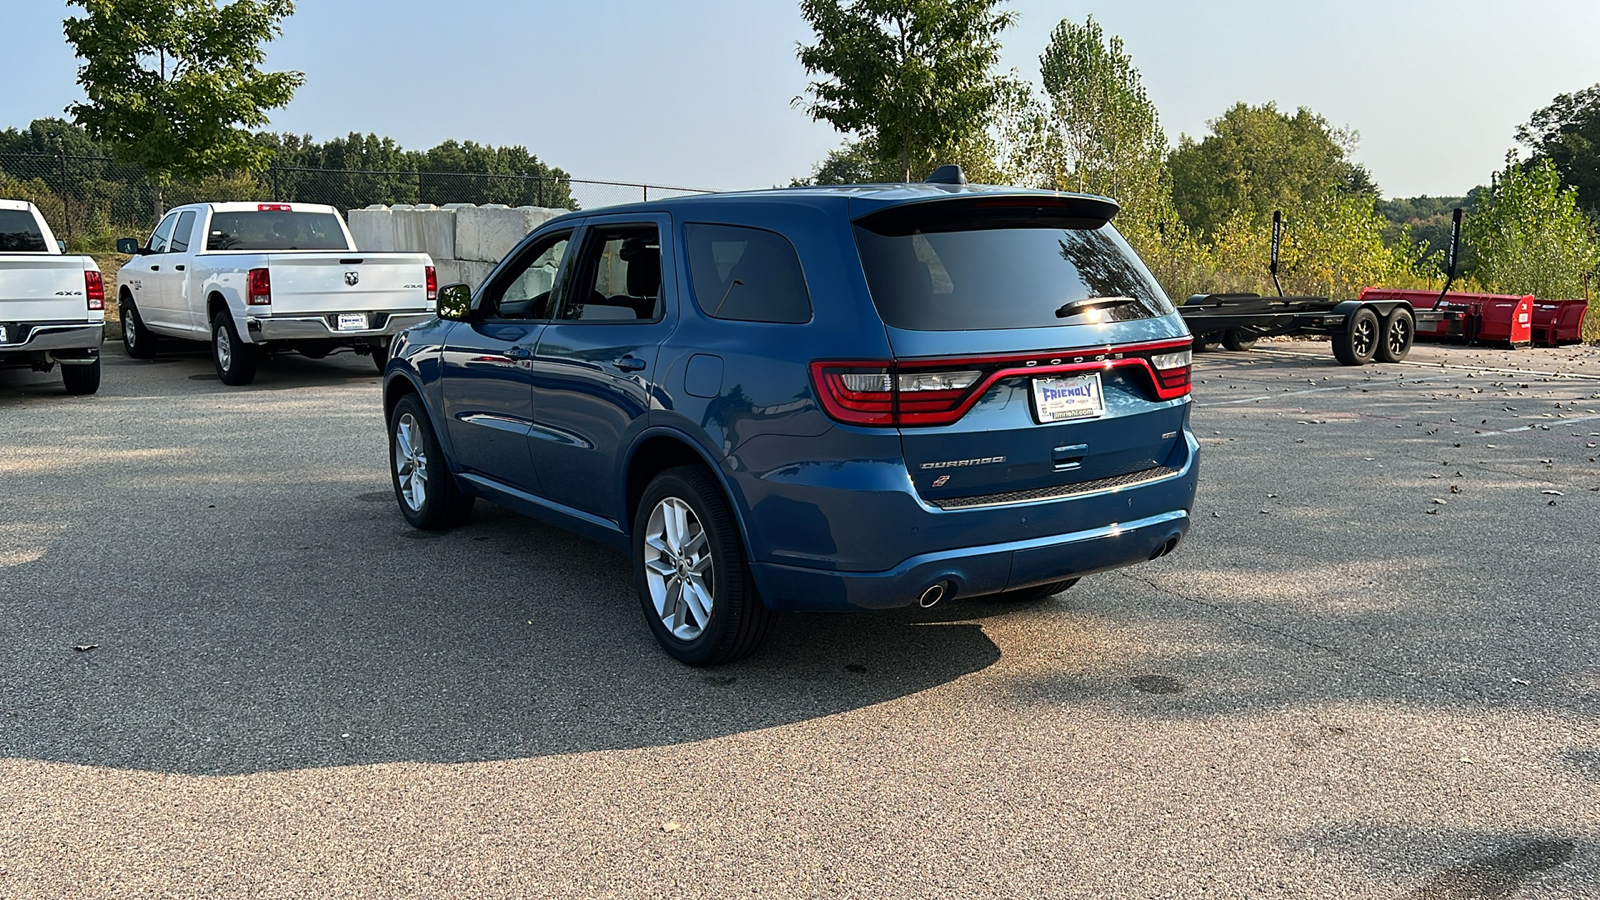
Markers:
{"x": 455, "y": 302}
{"x": 129, "y": 246}
{"x": 61, "y": 245}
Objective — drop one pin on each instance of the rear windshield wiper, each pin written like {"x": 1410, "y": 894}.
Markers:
{"x": 1076, "y": 307}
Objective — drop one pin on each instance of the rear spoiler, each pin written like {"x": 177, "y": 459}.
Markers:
{"x": 968, "y": 211}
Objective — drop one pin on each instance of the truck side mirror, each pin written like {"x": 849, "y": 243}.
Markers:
{"x": 455, "y": 302}
{"x": 61, "y": 245}
{"x": 129, "y": 246}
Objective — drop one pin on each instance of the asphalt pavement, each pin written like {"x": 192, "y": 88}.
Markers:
{"x": 231, "y": 670}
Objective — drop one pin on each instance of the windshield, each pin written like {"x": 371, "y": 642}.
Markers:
{"x": 962, "y": 276}
{"x": 19, "y": 233}
{"x": 275, "y": 230}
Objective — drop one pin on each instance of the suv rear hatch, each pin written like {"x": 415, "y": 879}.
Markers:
{"x": 1035, "y": 356}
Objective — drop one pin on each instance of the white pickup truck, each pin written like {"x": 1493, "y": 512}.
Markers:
{"x": 263, "y": 277}
{"x": 52, "y": 306}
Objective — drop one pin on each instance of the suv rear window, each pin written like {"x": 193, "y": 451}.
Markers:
{"x": 271, "y": 230}
{"x": 19, "y": 233}
{"x": 955, "y": 273}
{"x": 747, "y": 274}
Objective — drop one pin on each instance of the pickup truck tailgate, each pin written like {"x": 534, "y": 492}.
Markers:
{"x": 37, "y": 287}
{"x": 348, "y": 282}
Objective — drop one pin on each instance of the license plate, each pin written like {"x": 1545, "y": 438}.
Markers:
{"x": 352, "y": 322}
{"x": 1062, "y": 399}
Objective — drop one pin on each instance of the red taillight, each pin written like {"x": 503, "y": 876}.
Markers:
{"x": 94, "y": 289}
{"x": 274, "y": 207}
{"x": 433, "y": 284}
{"x": 941, "y": 391}
{"x": 258, "y": 288}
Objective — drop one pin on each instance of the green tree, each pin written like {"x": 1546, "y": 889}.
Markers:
{"x": 1567, "y": 133}
{"x": 1528, "y": 235}
{"x": 849, "y": 164}
{"x": 173, "y": 84}
{"x": 1108, "y": 132}
{"x": 910, "y": 78}
{"x": 1257, "y": 160}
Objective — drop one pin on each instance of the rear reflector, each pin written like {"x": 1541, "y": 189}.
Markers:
{"x": 258, "y": 288}
{"x": 94, "y": 289}
{"x": 940, "y": 391}
{"x": 433, "y": 284}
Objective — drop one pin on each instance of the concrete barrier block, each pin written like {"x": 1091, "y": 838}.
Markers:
{"x": 372, "y": 228}
{"x": 487, "y": 233}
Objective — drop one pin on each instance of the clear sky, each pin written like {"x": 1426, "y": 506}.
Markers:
{"x": 699, "y": 93}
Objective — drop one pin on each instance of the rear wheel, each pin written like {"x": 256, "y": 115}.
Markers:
{"x": 235, "y": 360}
{"x": 81, "y": 379}
{"x": 694, "y": 583}
{"x": 1357, "y": 344}
{"x": 138, "y": 341}
{"x": 1039, "y": 592}
{"x": 380, "y": 355}
{"x": 1399, "y": 330}
{"x": 423, "y": 485}
{"x": 1238, "y": 340}
{"x": 1205, "y": 343}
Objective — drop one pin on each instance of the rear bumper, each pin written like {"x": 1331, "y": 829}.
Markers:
{"x": 325, "y": 327}
{"x": 70, "y": 340}
{"x": 975, "y": 570}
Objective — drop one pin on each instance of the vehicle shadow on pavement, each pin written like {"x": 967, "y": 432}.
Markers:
{"x": 501, "y": 639}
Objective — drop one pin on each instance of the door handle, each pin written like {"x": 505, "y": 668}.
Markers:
{"x": 629, "y": 363}
{"x": 519, "y": 353}
{"x": 179, "y": 268}
{"x": 155, "y": 268}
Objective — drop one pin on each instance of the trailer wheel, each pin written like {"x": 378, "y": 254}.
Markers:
{"x": 1205, "y": 343}
{"x": 1238, "y": 340}
{"x": 1399, "y": 330}
{"x": 1357, "y": 344}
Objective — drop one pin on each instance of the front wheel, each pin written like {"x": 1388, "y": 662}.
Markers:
{"x": 1358, "y": 343}
{"x": 235, "y": 360}
{"x": 1238, "y": 340}
{"x": 81, "y": 379}
{"x": 423, "y": 485}
{"x": 1399, "y": 330}
{"x": 693, "y": 580}
{"x": 138, "y": 341}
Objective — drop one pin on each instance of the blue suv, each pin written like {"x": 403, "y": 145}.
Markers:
{"x": 814, "y": 398}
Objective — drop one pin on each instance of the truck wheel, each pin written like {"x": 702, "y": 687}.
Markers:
{"x": 423, "y": 485}
{"x": 1399, "y": 330}
{"x": 694, "y": 582}
{"x": 1205, "y": 343}
{"x": 235, "y": 360}
{"x": 1358, "y": 342}
{"x": 1026, "y": 595}
{"x": 380, "y": 355}
{"x": 138, "y": 341}
{"x": 1238, "y": 341}
{"x": 81, "y": 379}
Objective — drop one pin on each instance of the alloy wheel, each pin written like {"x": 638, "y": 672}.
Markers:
{"x": 678, "y": 568}
{"x": 411, "y": 462}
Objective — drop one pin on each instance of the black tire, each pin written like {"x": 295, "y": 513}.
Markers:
{"x": 380, "y": 355}
{"x": 1206, "y": 343}
{"x": 1399, "y": 332}
{"x": 81, "y": 380}
{"x": 1038, "y": 592}
{"x": 440, "y": 503}
{"x": 138, "y": 341}
{"x": 1356, "y": 345}
{"x": 315, "y": 349}
{"x": 235, "y": 360}
{"x": 1238, "y": 341}
{"x": 738, "y": 621}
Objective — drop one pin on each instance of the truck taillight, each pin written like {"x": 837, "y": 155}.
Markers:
{"x": 258, "y": 288}
{"x": 922, "y": 392}
{"x": 274, "y": 207}
{"x": 94, "y": 289}
{"x": 433, "y": 284}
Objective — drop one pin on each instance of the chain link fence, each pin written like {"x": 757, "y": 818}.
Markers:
{"x": 90, "y": 200}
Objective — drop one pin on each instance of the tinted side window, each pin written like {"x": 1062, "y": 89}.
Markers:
{"x": 181, "y": 234}
{"x": 163, "y": 234}
{"x": 528, "y": 295}
{"x": 19, "y": 233}
{"x": 746, "y": 274}
{"x": 620, "y": 279}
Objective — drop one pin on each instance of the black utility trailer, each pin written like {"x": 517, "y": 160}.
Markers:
{"x": 1362, "y": 330}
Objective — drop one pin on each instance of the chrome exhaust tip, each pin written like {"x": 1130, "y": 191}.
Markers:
{"x": 933, "y": 594}
{"x": 1164, "y": 549}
